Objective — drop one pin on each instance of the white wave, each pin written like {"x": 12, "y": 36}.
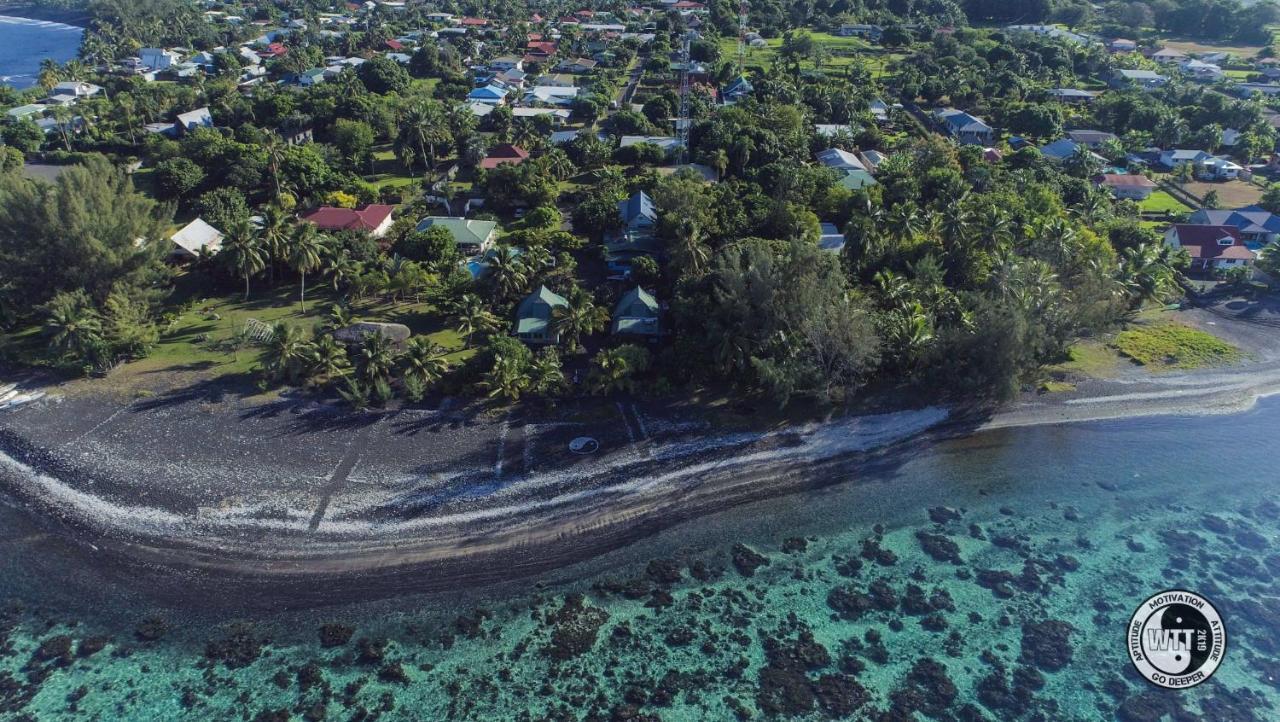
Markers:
{"x": 45, "y": 24}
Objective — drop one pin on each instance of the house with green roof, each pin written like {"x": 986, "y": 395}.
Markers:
{"x": 471, "y": 236}
{"x": 855, "y": 179}
{"x": 637, "y": 313}
{"x": 533, "y": 317}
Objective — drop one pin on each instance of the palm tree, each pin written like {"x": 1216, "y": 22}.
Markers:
{"x": 424, "y": 361}
{"x": 422, "y": 128}
{"x": 690, "y": 252}
{"x": 547, "y": 372}
{"x": 611, "y": 372}
{"x": 329, "y": 359}
{"x": 580, "y": 316}
{"x": 1146, "y": 270}
{"x": 243, "y": 252}
{"x": 73, "y": 326}
{"x": 304, "y": 255}
{"x": 343, "y": 270}
{"x": 904, "y": 221}
{"x": 558, "y": 164}
{"x": 474, "y": 318}
{"x": 274, "y": 146}
{"x": 509, "y": 378}
{"x": 274, "y": 233}
{"x": 375, "y": 358}
{"x": 507, "y": 272}
{"x": 287, "y": 353}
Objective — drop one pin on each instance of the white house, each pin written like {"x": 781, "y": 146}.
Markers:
{"x": 839, "y": 159}
{"x": 194, "y": 238}
{"x": 1144, "y": 79}
{"x": 551, "y": 95}
{"x": 76, "y": 89}
{"x": 1210, "y": 247}
{"x": 158, "y": 58}
{"x": 1200, "y": 70}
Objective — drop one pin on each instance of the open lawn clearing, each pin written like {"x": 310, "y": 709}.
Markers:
{"x": 203, "y": 339}
{"x": 1161, "y": 202}
{"x": 1231, "y": 194}
{"x": 1195, "y": 46}
{"x": 1088, "y": 357}
{"x": 1170, "y": 345}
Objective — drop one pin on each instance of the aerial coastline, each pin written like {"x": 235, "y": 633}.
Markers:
{"x": 389, "y": 531}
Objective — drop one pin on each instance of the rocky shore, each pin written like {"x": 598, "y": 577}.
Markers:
{"x": 415, "y": 500}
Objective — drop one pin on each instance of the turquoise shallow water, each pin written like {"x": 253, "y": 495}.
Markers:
{"x": 866, "y": 600}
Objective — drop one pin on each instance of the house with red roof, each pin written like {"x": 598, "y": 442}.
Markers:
{"x": 372, "y": 219}
{"x": 394, "y": 44}
{"x": 1210, "y": 247}
{"x": 273, "y": 50}
{"x": 1123, "y": 185}
{"x": 474, "y": 22}
{"x": 540, "y": 49}
{"x": 502, "y": 154}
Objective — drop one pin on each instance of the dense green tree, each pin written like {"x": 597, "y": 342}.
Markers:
{"x": 87, "y": 230}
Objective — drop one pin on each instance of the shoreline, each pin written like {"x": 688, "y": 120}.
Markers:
{"x": 78, "y": 19}
{"x": 426, "y": 553}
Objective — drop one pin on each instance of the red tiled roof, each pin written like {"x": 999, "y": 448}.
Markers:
{"x": 505, "y": 153}
{"x": 395, "y": 44}
{"x": 1130, "y": 180}
{"x": 475, "y": 21}
{"x": 540, "y": 47}
{"x": 349, "y": 219}
{"x": 1202, "y": 242}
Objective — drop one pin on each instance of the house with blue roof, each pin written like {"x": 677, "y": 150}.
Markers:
{"x": 491, "y": 94}
{"x": 964, "y": 127}
{"x": 637, "y": 212}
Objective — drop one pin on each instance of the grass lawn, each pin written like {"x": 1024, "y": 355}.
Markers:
{"x": 1232, "y": 194}
{"x": 1174, "y": 346}
{"x": 1160, "y": 201}
{"x": 1089, "y": 358}
{"x": 842, "y": 51}
{"x": 201, "y": 339}
{"x": 1194, "y": 46}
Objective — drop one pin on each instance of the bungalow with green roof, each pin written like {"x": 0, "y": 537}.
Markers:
{"x": 636, "y": 313}
{"x": 471, "y": 236}
{"x": 855, "y": 179}
{"x": 533, "y": 317}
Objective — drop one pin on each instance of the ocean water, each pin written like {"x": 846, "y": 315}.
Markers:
{"x": 24, "y": 43}
{"x": 987, "y": 578}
